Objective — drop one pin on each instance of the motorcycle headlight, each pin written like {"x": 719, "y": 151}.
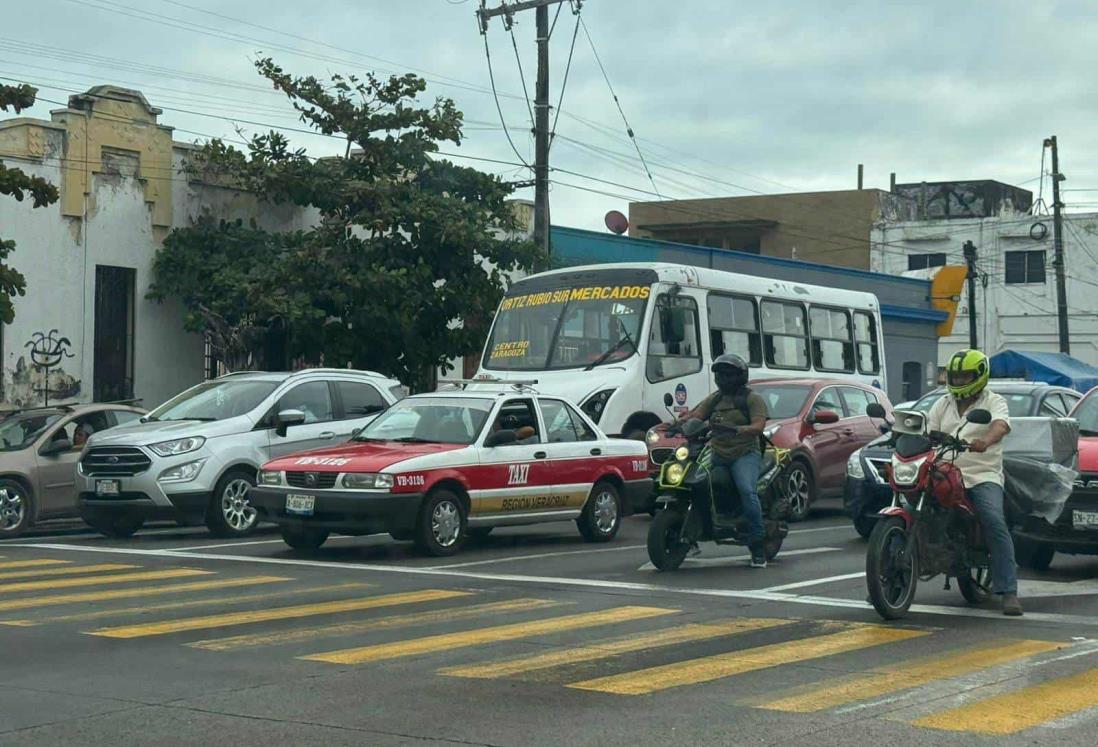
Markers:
{"x": 854, "y": 466}
{"x": 682, "y": 453}
{"x": 367, "y": 481}
{"x": 178, "y": 446}
{"x": 652, "y": 437}
{"x": 269, "y": 477}
{"x": 906, "y": 473}
{"x": 675, "y": 473}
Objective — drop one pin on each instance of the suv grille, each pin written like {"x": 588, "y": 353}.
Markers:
{"x": 321, "y": 480}
{"x": 115, "y": 461}
{"x": 661, "y": 455}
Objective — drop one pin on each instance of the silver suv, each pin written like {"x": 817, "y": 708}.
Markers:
{"x": 195, "y": 457}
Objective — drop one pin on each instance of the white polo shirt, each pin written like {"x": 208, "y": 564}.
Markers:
{"x": 976, "y": 468}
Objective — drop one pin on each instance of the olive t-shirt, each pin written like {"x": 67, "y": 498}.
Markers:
{"x": 724, "y": 411}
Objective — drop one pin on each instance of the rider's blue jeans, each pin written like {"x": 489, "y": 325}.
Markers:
{"x": 988, "y": 499}
{"x": 745, "y": 474}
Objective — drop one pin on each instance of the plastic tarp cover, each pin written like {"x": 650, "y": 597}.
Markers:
{"x": 1046, "y": 439}
{"x": 1037, "y": 488}
{"x": 1059, "y": 369}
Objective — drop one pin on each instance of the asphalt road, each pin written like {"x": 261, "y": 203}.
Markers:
{"x": 529, "y": 637}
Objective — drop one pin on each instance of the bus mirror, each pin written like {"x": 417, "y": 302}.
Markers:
{"x": 668, "y": 400}
{"x": 673, "y": 324}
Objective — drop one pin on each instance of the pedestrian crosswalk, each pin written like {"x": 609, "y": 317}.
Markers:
{"x": 597, "y": 647}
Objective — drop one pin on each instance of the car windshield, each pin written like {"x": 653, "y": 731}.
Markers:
{"x": 449, "y": 420}
{"x": 20, "y": 431}
{"x": 927, "y": 401}
{"x": 782, "y": 400}
{"x": 1086, "y": 412}
{"x": 1018, "y": 405}
{"x": 215, "y": 400}
{"x": 567, "y": 327}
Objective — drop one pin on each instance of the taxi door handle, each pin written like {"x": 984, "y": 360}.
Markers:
{"x": 328, "y": 434}
{"x": 540, "y": 455}
{"x": 596, "y": 452}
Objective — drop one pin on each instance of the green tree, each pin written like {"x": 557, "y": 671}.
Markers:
{"x": 15, "y": 183}
{"x": 410, "y": 250}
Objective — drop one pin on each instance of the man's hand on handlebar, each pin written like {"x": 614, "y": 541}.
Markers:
{"x": 977, "y": 445}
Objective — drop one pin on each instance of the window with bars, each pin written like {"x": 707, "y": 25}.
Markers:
{"x": 1025, "y": 267}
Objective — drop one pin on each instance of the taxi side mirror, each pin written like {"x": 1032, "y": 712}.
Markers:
{"x": 501, "y": 438}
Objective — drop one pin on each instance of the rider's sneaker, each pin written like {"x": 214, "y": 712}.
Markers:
{"x": 1011, "y": 605}
{"x": 758, "y": 557}
{"x": 694, "y": 551}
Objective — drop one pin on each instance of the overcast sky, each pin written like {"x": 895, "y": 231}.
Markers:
{"x": 748, "y": 98}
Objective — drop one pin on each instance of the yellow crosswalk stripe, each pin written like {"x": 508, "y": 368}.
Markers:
{"x": 708, "y": 668}
{"x": 493, "y": 634}
{"x": 67, "y": 570}
{"x": 1022, "y": 709}
{"x": 32, "y": 563}
{"x": 121, "y": 578}
{"x": 612, "y": 647}
{"x": 203, "y": 602}
{"x": 394, "y": 621}
{"x": 276, "y": 613}
{"x": 25, "y": 603}
{"x": 866, "y": 686}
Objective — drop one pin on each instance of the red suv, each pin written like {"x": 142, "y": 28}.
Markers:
{"x": 823, "y": 421}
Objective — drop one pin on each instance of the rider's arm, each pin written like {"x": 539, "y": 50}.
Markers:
{"x": 997, "y": 430}
{"x": 701, "y": 412}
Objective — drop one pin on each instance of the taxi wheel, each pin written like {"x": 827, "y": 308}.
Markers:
{"x": 601, "y": 517}
{"x": 441, "y": 529}
{"x": 304, "y": 539}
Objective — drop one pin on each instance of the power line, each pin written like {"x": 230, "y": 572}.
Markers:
{"x": 522, "y": 76}
{"x": 567, "y": 70}
{"x": 502, "y": 119}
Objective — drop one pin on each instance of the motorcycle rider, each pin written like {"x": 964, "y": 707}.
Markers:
{"x": 737, "y": 417}
{"x": 982, "y": 464}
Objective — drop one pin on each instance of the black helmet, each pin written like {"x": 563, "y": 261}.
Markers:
{"x": 731, "y": 363}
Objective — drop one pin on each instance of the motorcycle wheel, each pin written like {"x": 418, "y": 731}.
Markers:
{"x": 890, "y": 580}
{"x": 974, "y": 585}
{"x": 665, "y": 549}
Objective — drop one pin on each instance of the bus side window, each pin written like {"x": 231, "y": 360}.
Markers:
{"x": 674, "y": 346}
{"x": 832, "y": 342}
{"x": 785, "y": 334}
{"x": 865, "y": 336}
{"x": 734, "y": 327}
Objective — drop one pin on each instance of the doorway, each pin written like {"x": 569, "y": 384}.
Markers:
{"x": 114, "y": 318}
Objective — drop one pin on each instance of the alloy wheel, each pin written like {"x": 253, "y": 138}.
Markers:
{"x": 446, "y": 523}
{"x": 12, "y": 509}
{"x": 235, "y": 506}
{"x": 606, "y": 512}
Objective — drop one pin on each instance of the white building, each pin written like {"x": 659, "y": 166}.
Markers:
{"x": 1016, "y": 295}
{"x": 87, "y": 258}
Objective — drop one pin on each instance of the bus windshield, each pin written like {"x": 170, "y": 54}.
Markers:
{"x": 567, "y": 327}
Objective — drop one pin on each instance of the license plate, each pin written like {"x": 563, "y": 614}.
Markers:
{"x": 300, "y": 504}
{"x": 1084, "y": 518}
{"x": 107, "y": 487}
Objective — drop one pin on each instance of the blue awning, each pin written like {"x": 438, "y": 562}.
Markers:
{"x": 1053, "y": 368}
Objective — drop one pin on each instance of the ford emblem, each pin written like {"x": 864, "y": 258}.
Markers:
{"x": 113, "y": 460}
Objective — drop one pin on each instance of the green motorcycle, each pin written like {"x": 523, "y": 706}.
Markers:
{"x": 688, "y": 502}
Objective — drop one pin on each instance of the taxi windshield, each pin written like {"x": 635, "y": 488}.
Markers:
{"x": 567, "y": 327}
{"x": 440, "y": 420}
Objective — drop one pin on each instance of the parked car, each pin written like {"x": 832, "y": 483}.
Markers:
{"x": 195, "y": 457}
{"x": 867, "y": 490}
{"x": 437, "y": 468}
{"x": 39, "y": 449}
{"x": 1076, "y": 531}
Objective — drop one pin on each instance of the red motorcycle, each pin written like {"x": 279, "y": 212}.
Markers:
{"x": 931, "y": 527}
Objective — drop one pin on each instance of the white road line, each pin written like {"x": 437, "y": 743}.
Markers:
{"x": 585, "y": 583}
{"x": 823, "y": 529}
{"x": 816, "y": 581}
{"x": 534, "y": 557}
{"x": 223, "y": 544}
{"x": 725, "y": 560}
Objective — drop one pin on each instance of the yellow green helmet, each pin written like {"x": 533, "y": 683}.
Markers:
{"x": 967, "y": 373}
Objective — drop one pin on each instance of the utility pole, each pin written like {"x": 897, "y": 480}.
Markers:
{"x": 541, "y": 102}
{"x": 970, "y": 259}
{"x": 1058, "y": 246}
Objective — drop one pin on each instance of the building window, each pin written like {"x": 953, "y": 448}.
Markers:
{"x": 912, "y": 386}
{"x": 674, "y": 345}
{"x": 924, "y": 261}
{"x": 832, "y": 342}
{"x": 865, "y": 337}
{"x": 114, "y": 305}
{"x": 1025, "y": 267}
{"x": 785, "y": 338}
{"x": 734, "y": 327}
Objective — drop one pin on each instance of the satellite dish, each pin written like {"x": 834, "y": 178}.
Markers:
{"x": 617, "y": 222}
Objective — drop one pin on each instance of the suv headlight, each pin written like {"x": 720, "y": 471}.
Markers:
{"x": 269, "y": 477}
{"x": 182, "y": 472}
{"x": 652, "y": 436}
{"x": 367, "y": 481}
{"x": 178, "y": 446}
{"x": 854, "y": 466}
{"x": 906, "y": 473}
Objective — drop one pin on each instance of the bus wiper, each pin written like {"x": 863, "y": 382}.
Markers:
{"x": 613, "y": 349}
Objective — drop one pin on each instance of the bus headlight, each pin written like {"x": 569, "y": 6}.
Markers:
{"x": 675, "y": 473}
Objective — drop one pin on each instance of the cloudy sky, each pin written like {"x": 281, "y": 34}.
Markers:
{"x": 725, "y": 97}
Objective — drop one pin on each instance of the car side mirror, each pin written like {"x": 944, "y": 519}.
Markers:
{"x": 501, "y": 438}
{"x": 824, "y": 417}
{"x": 53, "y": 448}
{"x": 286, "y": 419}
{"x": 876, "y": 410}
{"x": 668, "y": 400}
{"x": 355, "y": 432}
{"x": 979, "y": 417}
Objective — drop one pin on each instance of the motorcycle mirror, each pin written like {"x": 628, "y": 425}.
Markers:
{"x": 979, "y": 417}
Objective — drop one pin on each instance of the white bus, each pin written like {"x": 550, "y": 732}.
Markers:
{"x": 616, "y": 338}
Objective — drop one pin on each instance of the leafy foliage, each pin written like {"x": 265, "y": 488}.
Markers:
{"x": 15, "y": 183}
{"x": 409, "y": 252}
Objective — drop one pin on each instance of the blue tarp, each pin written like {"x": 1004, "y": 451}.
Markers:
{"x": 1054, "y": 368}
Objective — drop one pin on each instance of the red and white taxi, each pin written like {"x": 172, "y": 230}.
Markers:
{"x": 436, "y": 468}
